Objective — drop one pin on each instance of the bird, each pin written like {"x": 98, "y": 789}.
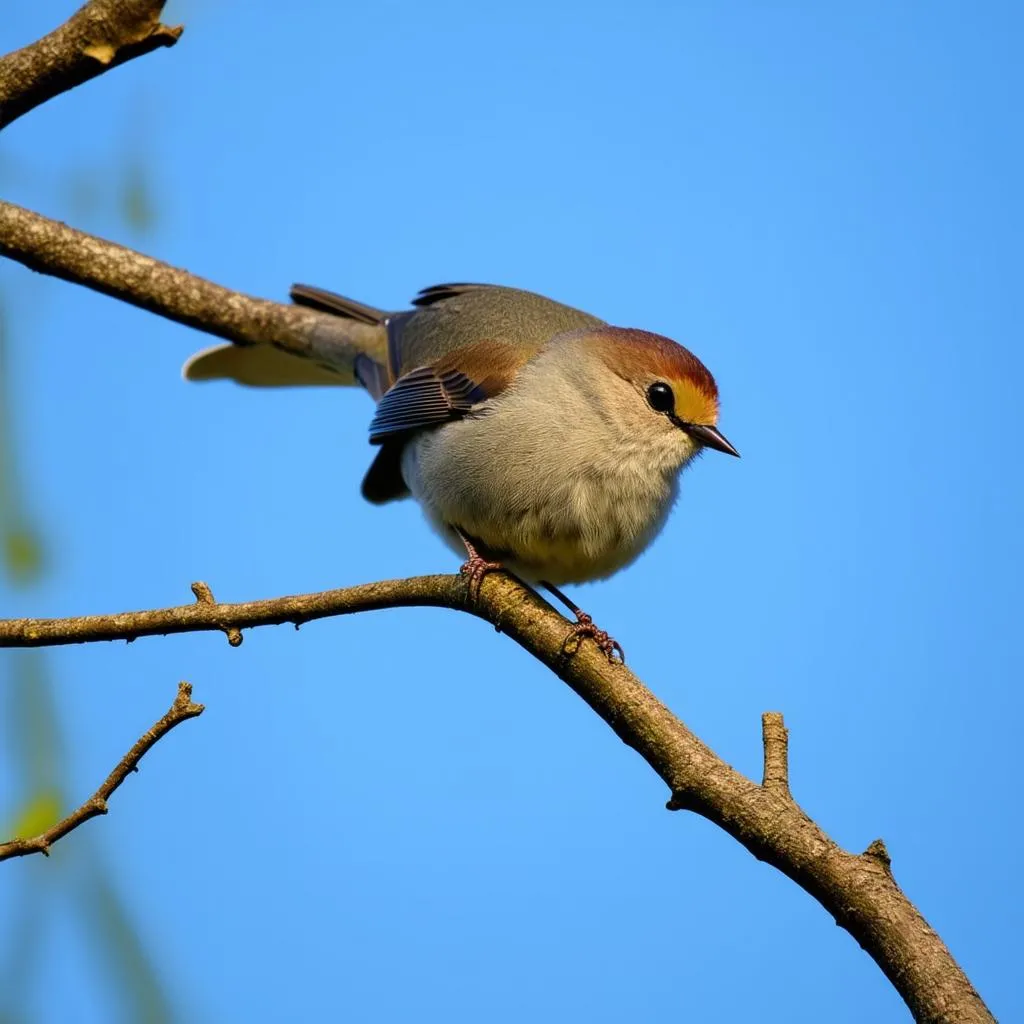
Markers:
{"x": 537, "y": 438}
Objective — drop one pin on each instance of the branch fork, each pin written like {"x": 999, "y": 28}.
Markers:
{"x": 204, "y": 595}
{"x": 181, "y": 710}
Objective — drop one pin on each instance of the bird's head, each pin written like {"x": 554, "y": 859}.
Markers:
{"x": 671, "y": 395}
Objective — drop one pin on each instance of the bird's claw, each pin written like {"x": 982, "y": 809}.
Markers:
{"x": 476, "y": 568}
{"x": 586, "y": 630}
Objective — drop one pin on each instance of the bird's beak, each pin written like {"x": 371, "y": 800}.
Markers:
{"x": 710, "y": 437}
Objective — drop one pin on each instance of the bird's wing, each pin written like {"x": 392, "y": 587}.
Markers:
{"x": 462, "y": 344}
{"x": 449, "y": 318}
{"x": 432, "y": 395}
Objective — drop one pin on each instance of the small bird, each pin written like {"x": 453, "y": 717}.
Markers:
{"x": 537, "y": 438}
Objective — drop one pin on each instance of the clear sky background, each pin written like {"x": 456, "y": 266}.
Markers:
{"x": 401, "y": 816}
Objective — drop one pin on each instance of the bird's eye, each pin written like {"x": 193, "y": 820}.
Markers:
{"x": 660, "y": 397}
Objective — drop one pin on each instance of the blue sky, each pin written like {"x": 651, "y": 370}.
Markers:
{"x": 400, "y": 816}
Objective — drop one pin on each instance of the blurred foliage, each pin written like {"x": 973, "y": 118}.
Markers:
{"x": 136, "y": 197}
{"x": 39, "y": 813}
{"x": 22, "y": 548}
{"x": 33, "y": 746}
{"x": 124, "y": 957}
{"x": 23, "y": 554}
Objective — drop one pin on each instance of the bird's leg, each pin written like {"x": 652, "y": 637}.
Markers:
{"x": 476, "y": 567}
{"x": 585, "y": 628}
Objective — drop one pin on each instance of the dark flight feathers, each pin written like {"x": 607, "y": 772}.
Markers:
{"x": 423, "y": 398}
{"x": 331, "y": 302}
{"x": 440, "y": 292}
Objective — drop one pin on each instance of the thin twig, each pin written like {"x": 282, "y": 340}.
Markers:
{"x": 99, "y": 36}
{"x": 182, "y": 709}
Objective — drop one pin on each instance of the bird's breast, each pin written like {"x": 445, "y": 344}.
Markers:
{"x": 555, "y": 504}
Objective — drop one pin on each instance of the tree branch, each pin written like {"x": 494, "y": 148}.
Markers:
{"x": 101, "y": 35}
{"x": 182, "y": 709}
{"x": 422, "y": 591}
{"x": 51, "y": 247}
{"x": 858, "y": 890}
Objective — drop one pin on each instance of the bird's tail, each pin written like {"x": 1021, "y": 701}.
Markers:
{"x": 345, "y": 351}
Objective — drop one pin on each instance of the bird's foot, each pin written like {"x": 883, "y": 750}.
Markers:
{"x": 586, "y": 630}
{"x": 475, "y": 568}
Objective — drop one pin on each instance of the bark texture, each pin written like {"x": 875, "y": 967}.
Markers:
{"x": 98, "y": 37}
